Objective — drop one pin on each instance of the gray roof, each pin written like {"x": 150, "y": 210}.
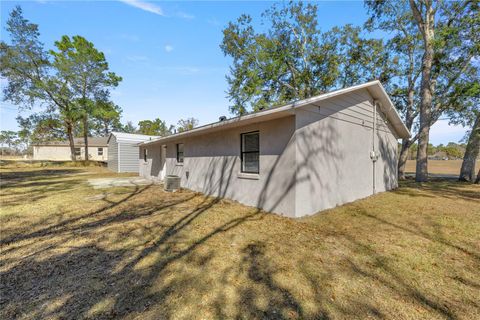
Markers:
{"x": 131, "y": 137}
{"x": 375, "y": 88}
{"x": 78, "y": 142}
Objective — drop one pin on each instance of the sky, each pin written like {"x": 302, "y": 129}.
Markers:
{"x": 167, "y": 53}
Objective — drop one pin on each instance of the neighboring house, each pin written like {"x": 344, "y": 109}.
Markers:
{"x": 60, "y": 150}
{"x": 123, "y": 151}
{"x": 294, "y": 160}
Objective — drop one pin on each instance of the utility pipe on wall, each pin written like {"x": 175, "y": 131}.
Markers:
{"x": 373, "y": 153}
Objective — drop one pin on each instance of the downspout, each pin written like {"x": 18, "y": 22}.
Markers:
{"x": 373, "y": 153}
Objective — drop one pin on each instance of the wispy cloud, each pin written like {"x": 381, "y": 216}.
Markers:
{"x": 168, "y": 48}
{"x": 185, "y": 15}
{"x": 146, "y": 6}
{"x": 213, "y": 21}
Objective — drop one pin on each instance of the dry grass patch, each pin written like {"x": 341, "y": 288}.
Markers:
{"x": 69, "y": 251}
{"x": 439, "y": 167}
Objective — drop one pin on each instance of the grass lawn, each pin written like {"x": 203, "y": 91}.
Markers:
{"x": 70, "y": 251}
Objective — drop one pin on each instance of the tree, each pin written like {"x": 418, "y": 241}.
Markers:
{"x": 31, "y": 77}
{"x": 89, "y": 78}
{"x": 467, "y": 171}
{"x": 154, "y": 128}
{"x": 106, "y": 118}
{"x": 450, "y": 46}
{"x": 129, "y": 127}
{"x": 468, "y": 115}
{"x": 41, "y": 127}
{"x": 405, "y": 47}
{"x": 293, "y": 59}
{"x": 186, "y": 124}
{"x": 8, "y": 137}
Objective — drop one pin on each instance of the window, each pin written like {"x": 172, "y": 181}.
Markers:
{"x": 145, "y": 154}
{"x": 100, "y": 151}
{"x": 77, "y": 152}
{"x": 250, "y": 152}
{"x": 180, "y": 152}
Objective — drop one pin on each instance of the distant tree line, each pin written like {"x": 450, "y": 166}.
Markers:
{"x": 159, "y": 127}
{"x": 450, "y": 151}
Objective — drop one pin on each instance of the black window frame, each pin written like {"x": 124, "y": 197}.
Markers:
{"x": 242, "y": 152}
{"x": 100, "y": 150}
{"x": 79, "y": 151}
{"x": 144, "y": 154}
{"x": 182, "y": 158}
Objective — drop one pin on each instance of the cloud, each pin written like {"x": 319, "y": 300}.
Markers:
{"x": 150, "y": 7}
{"x": 213, "y": 22}
{"x": 168, "y": 48}
{"x": 185, "y": 15}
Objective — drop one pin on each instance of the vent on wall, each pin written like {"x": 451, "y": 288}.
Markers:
{"x": 222, "y": 118}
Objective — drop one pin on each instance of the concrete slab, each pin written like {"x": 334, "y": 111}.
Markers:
{"x": 101, "y": 183}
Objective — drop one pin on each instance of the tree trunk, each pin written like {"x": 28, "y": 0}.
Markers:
{"x": 477, "y": 181}
{"x": 71, "y": 141}
{"x": 426, "y": 27}
{"x": 85, "y": 135}
{"x": 402, "y": 159}
{"x": 467, "y": 173}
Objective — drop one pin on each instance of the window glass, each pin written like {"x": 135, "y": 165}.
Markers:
{"x": 100, "y": 151}
{"x": 250, "y": 152}
{"x": 145, "y": 154}
{"x": 77, "y": 152}
{"x": 180, "y": 152}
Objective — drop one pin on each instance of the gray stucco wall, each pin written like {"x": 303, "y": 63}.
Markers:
{"x": 212, "y": 165}
{"x": 334, "y": 140}
{"x": 314, "y": 160}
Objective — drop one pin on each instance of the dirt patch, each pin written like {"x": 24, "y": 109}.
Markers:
{"x": 100, "y": 183}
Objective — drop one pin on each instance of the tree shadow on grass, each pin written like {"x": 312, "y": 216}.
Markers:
{"x": 280, "y": 302}
{"x": 86, "y": 278}
{"x": 389, "y": 277}
{"x": 14, "y": 178}
{"x": 444, "y": 188}
{"x": 418, "y": 231}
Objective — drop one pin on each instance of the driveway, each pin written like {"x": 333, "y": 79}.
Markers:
{"x": 101, "y": 183}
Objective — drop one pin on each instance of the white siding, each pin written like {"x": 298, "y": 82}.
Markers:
{"x": 128, "y": 154}
{"x": 113, "y": 154}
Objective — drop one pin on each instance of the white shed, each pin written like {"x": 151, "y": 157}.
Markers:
{"x": 123, "y": 151}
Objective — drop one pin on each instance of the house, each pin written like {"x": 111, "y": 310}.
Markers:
{"x": 60, "y": 150}
{"x": 123, "y": 151}
{"x": 294, "y": 160}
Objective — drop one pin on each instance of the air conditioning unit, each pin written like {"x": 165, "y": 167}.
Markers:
{"x": 171, "y": 183}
